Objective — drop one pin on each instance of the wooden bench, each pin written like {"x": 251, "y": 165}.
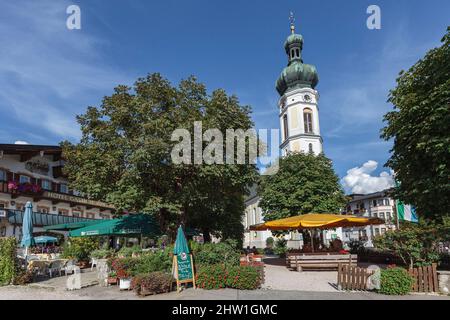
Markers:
{"x": 319, "y": 261}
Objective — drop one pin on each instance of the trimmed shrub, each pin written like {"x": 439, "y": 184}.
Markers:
{"x": 395, "y": 281}
{"x": 123, "y": 266}
{"x": 152, "y": 283}
{"x": 151, "y": 262}
{"x": 211, "y": 277}
{"x": 79, "y": 248}
{"x": 269, "y": 242}
{"x": 7, "y": 260}
{"x": 102, "y": 253}
{"x": 243, "y": 278}
{"x": 280, "y": 247}
{"x": 126, "y": 252}
{"x": 217, "y": 253}
{"x": 219, "y": 276}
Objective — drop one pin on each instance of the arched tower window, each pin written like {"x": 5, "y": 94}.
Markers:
{"x": 307, "y": 120}
{"x": 285, "y": 126}
{"x": 310, "y": 146}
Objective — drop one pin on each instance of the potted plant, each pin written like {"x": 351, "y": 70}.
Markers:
{"x": 122, "y": 267}
{"x": 124, "y": 279}
{"x": 112, "y": 278}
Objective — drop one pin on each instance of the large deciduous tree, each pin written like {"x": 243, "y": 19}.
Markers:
{"x": 124, "y": 156}
{"x": 420, "y": 127}
{"x": 305, "y": 183}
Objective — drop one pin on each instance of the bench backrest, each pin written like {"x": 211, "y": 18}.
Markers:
{"x": 334, "y": 257}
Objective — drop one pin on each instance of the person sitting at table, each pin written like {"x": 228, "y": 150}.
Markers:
{"x": 336, "y": 244}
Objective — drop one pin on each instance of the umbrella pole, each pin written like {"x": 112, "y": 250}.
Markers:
{"x": 312, "y": 240}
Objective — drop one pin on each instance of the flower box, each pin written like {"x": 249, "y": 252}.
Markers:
{"x": 125, "y": 283}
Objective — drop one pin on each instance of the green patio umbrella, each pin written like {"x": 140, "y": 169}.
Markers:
{"x": 27, "y": 228}
{"x": 133, "y": 225}
{"x": 184, "y": 271}
{"x": 181, "y": 245}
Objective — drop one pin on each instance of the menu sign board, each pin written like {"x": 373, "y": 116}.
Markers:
{"x": 183, "y": 269}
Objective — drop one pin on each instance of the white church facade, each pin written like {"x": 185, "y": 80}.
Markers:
{"x": 300, "y": 131}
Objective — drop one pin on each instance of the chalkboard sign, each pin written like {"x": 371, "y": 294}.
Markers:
{"x": 183, "y": 269}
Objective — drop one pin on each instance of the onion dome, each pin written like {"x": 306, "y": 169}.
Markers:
{"x": 297, "y": 74}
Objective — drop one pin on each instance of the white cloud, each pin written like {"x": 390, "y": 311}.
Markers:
{"x": 360, "y": 180}
{"x": 20, "y": 142}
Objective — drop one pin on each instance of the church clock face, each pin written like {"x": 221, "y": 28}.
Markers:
{"x": 307, "y": 98}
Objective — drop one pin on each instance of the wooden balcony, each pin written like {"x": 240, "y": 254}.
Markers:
{"x": 57, "y": 197}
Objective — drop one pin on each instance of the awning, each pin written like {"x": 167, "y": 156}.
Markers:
{"x": 316, "y": 221}
{"x": 72, "y": 226}
{"x": 131, "y": 225}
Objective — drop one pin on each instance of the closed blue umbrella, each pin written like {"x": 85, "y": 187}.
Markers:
{"x": 27, "y": 227}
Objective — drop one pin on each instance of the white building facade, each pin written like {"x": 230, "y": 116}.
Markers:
{"x": 299, "y": 121}
{"x": 34, "y": 173}
{"x": 378, "y": 205}
{"x": 253, "y": 215}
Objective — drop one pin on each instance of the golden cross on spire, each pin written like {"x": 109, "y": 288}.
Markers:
{"x": 292, "y": 21}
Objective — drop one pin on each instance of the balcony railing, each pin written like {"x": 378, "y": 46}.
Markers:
{"x": 55, "y": 197}
{"x": 42, "y": 219}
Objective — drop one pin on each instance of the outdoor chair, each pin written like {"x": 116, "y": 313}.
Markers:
{"x": 69, "y": 267}
{"x": 94, "y": 262}
{"x": 56, "y": 266}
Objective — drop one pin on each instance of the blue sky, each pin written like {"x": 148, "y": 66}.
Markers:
{"x": 48, "y": 73}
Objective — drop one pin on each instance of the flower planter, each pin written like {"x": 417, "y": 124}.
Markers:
{"x": 125, "y": 284}
{"x": 112, "y": 280}
{"x": 147, "y": 291}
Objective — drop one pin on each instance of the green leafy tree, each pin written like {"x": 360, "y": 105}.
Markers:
{"x": 420, "y": 127}
{"x": 124, "y": 156}
{"x": 415, "y": 244}
{"x": 305, "y": 183}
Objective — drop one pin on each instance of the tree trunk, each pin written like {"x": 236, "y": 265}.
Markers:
{"x": 206, "y": 235}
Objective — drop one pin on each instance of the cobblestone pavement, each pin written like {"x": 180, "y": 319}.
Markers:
{"x": 308, "y": 286}
{"x": 113, "y": 293}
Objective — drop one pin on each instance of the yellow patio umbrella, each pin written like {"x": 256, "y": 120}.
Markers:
{"x": 316, "y": 221}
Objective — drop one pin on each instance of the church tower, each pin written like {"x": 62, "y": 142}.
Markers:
{"x": 299, "y": 112}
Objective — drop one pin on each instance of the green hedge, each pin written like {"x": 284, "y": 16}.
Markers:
{"x": 152, "y": 262}
{"x": 7, "y": 260}
{"x": 395, "y": 281}
{"x": 225, "y": 253}
{"x": 152, "y": 283}
{"x": 80, "y": 248}
{"x": 237, "y": 277}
